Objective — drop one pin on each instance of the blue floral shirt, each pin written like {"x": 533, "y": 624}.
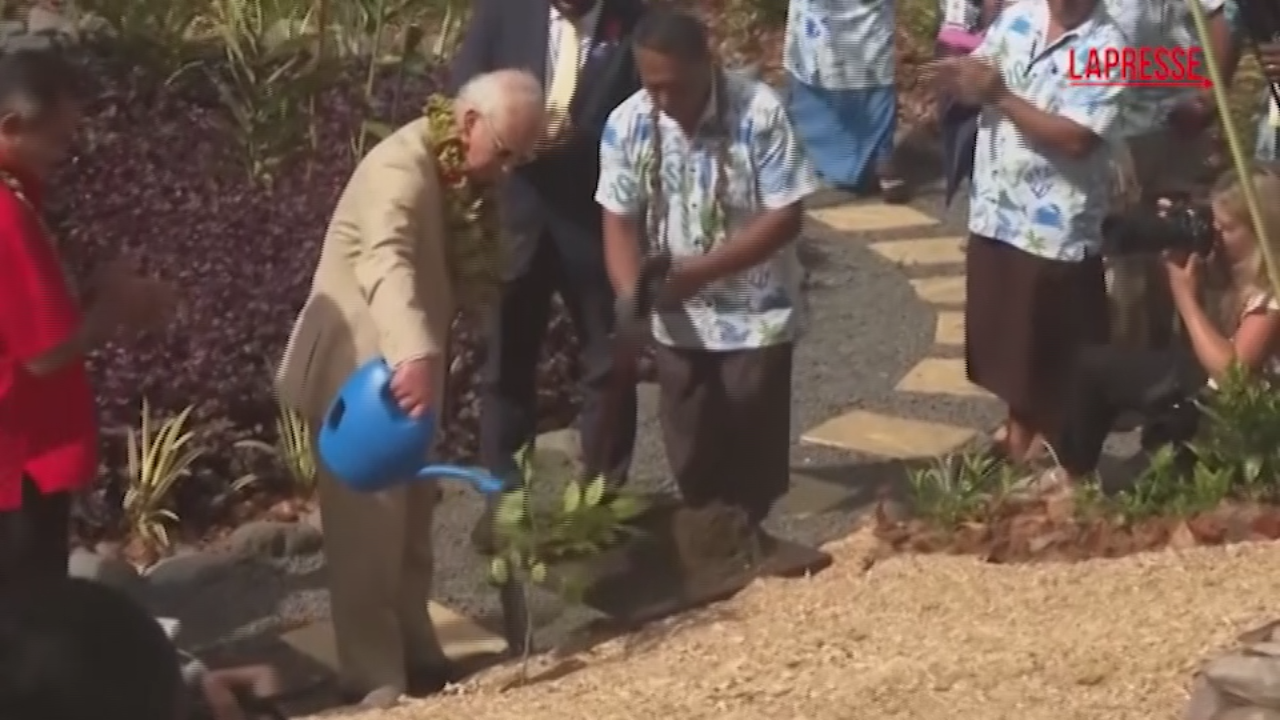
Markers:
{"x": 840, "y": 44}
{"x": 1030, "y": 196}
{"x": 1269, "y": 115}
{"x": 1156, "y": 24}
{"x": 765, "y": 170}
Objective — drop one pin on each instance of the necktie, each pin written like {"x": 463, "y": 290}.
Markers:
{"x": 564, "y": 77}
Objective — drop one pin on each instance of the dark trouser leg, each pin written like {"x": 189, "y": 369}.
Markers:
{"x": 508, "y": 410}
{"x": 757, "y": 387}
{"x": 1106, "y": 381}
{"x": 607, "y": 422}
{"x": 34, "y": 537}
{"x": 1160, "y": 171}
{"x": 690, "y": 410}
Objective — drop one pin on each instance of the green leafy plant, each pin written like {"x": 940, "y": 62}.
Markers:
{"x": 1236, "y": 453}
{"x": 293, "y": 451}
{"x": 159, "y": 455}
{"x": 587, "y": 520}
{"x": 1169, "y": 488}
{"x": 161, "y": 34}
{"x": 1241, "y": 433}
{"x": 268, "y": 70}
{"x": 959, "y": 487}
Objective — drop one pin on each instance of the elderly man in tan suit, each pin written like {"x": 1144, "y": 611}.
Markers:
{"x": 382, "y": 288}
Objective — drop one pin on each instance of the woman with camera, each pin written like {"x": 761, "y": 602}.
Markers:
{"x": 1244, "y": 328}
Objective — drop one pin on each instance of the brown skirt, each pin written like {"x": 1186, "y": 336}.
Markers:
{"x": 1025, "y": 319}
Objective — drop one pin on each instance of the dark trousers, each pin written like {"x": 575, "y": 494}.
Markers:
{"x": 34, "y": 537}
{"x": 1107, "y": 381}
{"x": 508, "y": 416}
{"x": 726, "y": 424}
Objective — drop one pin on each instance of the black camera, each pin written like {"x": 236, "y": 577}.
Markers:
{"x": 1172, "y": 223}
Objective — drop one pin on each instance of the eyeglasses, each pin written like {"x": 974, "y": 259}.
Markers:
{"x": 506, "y": 155}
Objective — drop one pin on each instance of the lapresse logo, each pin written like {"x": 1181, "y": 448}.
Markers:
{"x": 1145, "y": 67}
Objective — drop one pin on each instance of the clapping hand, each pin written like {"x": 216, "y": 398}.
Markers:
{"x": 972, "y": 80}
{"x": 1192, "y": 115}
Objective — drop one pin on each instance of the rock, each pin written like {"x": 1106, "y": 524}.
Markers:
{"x": 189, "y": 567}
{"x": 1254, "y": 679}
{"x": 272, "y": 539}
{"x": 1266, "y": 633}
{"x": 113, "y": 571}
{"x": 1248, "y": 713}
{"x": 43, "y": 20}
{"x": 558, "y": 454}
{"x": 1205, "y": 702}
{"x": 566, "y": 442}
{"x": 1182, "y": 538}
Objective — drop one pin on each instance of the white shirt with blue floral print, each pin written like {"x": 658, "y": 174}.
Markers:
{"x": 1025, "y": 194}
{"x": 1152, "y": 24}
{"x": 766, "y": 170}
{"x": 840, "y": 44}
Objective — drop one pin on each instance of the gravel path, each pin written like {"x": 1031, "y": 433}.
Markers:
{"x": 913, "y": 638}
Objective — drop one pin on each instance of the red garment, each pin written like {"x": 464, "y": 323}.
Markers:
{"x": 48, "y": 424}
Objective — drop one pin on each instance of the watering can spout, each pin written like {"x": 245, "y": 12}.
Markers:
{"x": 482, "y": 481}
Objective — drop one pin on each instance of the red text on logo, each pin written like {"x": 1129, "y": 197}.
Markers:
{"x": 1137, "y": 66}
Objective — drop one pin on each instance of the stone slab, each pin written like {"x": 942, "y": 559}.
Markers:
{"x": 922, "y": 252}
{"x": 940, "y": 376}
{"x": 888, "y": 436}
{"x": 945, "y": 290}
{"x": 650, "y": 576}
{"x": 868, "y": 217}
{"x": 462, "y": 639}
{"x": 810, "y": 496}
{"x": 949, "y": 328}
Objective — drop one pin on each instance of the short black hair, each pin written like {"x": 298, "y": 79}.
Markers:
{"x": 80, "y": 650}
{"x": 34, "y": 81}
{"x": 673, "y": 32}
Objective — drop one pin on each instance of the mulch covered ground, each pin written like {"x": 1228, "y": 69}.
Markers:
{"x": 919, "y": 637}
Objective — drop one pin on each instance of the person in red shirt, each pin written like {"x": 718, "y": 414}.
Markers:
{"x": 48, "y": 426}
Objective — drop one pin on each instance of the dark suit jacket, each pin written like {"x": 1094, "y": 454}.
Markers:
{"x": 556, "y": 192}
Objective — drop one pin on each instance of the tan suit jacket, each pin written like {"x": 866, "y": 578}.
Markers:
{"x": 381, "y": 287}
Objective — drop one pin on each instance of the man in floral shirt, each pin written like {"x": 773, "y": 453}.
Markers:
{"x": 704, "y": 166}
{"x": 1034, "y": 278}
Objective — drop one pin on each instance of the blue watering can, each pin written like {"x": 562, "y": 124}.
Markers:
{"x": 370, "y": 444}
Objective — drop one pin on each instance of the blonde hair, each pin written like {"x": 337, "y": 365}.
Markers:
{"x": 1249, "y": 278}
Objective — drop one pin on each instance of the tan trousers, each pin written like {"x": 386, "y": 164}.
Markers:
{"x": 380, "y": 562}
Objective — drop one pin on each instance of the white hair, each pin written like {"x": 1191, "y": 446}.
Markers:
{"x": 504, "y": 97}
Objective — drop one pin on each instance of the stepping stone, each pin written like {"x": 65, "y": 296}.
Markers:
{"x": 681, "y": 560}
{"x": 949, "y": 328}
{"x": 462, "y": 638}
{"x": 888, "y": 436}
{"x": 940, "y": 376}
{"x": 868, "y": 217}
{"x": 922, "y": 252}
{"x": 810, "y": 496}
{"x": 947, "y": 290}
